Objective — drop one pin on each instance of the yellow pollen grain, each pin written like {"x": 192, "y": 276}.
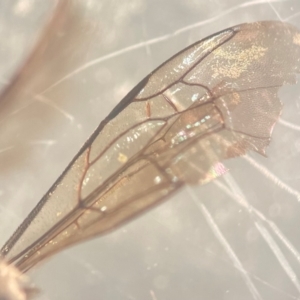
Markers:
{"x": 232, "y": 64}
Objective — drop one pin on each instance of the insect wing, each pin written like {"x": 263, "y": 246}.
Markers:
{"x": 215, "y": 100}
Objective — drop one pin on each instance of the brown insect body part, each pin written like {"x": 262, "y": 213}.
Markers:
{"x": 215, "y": 100}
{"x": 13, "y": 284}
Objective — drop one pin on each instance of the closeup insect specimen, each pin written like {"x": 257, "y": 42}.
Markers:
{"x": 215, "y": 100}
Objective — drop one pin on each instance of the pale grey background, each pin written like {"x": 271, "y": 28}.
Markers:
{"x": 236, "y": 238}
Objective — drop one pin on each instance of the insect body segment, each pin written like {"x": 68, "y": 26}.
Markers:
{"x": 13, "y": 284}
{"x": 215, "y": 100}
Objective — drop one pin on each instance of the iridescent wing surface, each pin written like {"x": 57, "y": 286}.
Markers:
{"x": 215, "y": 100}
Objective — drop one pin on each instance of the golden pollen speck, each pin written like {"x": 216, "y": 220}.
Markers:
{"x": 235, "y": 99}
{"x": 232, "y": 64}
{"x": 122, "y": 158}
{"x": 103, "y": 208}
{"x": 296, "y": 39}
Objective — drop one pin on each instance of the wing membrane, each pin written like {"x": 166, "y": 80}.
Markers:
{"x": 215, "y": 100}
{"x": 49, "y": 61}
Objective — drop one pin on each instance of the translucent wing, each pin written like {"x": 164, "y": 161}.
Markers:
{"x": 49, "y": 60}
{"x": 214, "y": 100}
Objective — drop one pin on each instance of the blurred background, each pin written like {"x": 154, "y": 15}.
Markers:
{"x": 234, "y": 238}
